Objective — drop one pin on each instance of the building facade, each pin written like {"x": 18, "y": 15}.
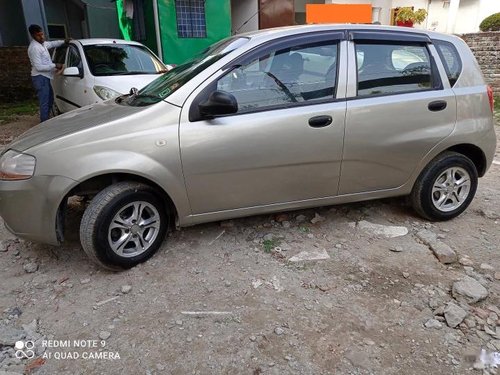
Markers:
{"x": 59, "y": 18}
{"x": 449, "y": 16}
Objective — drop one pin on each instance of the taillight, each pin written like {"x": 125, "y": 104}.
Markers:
{"x": 490, "y": 97}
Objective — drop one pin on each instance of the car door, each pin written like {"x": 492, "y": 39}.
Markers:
{"x": 59, "y": 57}
{"x": 75, "y": 90}
{"x": 398, "y": 108}
{"x": 285, "y": 142}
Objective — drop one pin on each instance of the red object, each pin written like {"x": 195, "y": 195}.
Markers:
{"x": 490, "y": 97}
{"x": 404, "y": 23}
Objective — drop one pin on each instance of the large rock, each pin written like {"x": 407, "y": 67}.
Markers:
{"x": 315, "y": 254}
{"x": 427, "y": 237}
{"x": 469, "y": 290}
{"x": 433, "y": 323}
{"x": 454, "y": 314}
{"x": 9, "y": 335}
{"x": 443, "y": 252}
{"x": 389, "y": 231}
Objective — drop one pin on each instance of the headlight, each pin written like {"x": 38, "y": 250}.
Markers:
{"x": 16, "y": 166}
{"x": 105, "y": 93}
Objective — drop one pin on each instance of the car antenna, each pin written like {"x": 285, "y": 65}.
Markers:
{"x": 248, "y": 20}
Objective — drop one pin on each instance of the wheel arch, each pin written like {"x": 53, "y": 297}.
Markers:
{"x": 474, "y": 153}
{"x": 92, "y": 185}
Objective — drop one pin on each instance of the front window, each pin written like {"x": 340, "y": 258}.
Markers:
{"x": 170, "y": 82}
{"x": 74, "y": 59}
{"x": 121, "y": 59}
{"x": 60, "y": 55}
{"x": 304, "y": 73}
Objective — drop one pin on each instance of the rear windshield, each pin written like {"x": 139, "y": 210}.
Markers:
{"x": 121, "y": 59}
{"x": 451, "y": 60}
{"x": 169, "y": 82}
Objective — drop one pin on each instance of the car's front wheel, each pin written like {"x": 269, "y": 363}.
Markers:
{"x": 123, "y": 225}
{"x": 446, "y": 187}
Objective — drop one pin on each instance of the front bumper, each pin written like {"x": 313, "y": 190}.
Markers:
{"x": 29, "y": 207}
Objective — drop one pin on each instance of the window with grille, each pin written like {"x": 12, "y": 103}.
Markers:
{"x": 191, "y": 21}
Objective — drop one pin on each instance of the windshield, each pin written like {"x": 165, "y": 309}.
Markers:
{"x": 121, "y": 59}
{"x": 171, "y": 81}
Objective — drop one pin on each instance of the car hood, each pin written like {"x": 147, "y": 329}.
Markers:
{"x": 123, "y": 84}
{"x": 72, "y": 122}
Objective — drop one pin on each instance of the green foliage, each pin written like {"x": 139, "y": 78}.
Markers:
{"x": 269, "y": 245}
{"x": 9, "y": 111}
{"x": 406, "y": 14}
{"x": 491, "y": 23}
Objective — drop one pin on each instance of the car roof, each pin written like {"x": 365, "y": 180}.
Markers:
{"x": 300, "y": 29}
{"x": 92, "y": 41}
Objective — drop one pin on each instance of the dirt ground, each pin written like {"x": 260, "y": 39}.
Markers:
{"x": 226, "y": 298}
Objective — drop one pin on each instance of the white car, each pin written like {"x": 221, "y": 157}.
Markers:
{"x": 101, "y": 69}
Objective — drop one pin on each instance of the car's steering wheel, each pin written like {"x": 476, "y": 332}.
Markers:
{"x": 285, "y": 89}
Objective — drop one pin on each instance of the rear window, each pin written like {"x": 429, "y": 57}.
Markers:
{"x": 385, "y": 69}
{"x": 451, "y": 60}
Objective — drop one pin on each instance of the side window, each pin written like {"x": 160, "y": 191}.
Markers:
{"x": 60, "y": 55}
{"x": 451, "y": 60}
{"x": 298, "y": 74}
{"x": 392, "y": 68}
{"x": 74, "y": 58}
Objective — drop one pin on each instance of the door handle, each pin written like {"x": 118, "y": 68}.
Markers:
{"x": 320, "y": 121}
{"x": 437, "y": 105}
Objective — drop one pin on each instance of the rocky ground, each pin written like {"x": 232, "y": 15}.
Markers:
{"x": 366, "y": 288}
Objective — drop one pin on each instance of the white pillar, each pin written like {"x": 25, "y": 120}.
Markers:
{"x": 452, "y": 16}
{"x": 376, "y": 14}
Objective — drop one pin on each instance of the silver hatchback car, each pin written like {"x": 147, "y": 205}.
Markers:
{"x": 269, "y": 121}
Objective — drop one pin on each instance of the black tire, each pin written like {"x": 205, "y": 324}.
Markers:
{"x": 422, "y": 197}
{"x": 96, "y": 233}
{"x": 55, "y": 110}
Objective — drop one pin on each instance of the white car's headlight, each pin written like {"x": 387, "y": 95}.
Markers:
{"x": 16, "y": 166}
{"x": 105, "y": 93}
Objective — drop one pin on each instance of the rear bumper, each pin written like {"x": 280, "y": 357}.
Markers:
{"x": 29, "y": 207}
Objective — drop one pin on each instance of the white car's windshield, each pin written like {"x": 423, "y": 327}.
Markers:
{"x": 121, "y": 59}
{"x": 165, "y": 85}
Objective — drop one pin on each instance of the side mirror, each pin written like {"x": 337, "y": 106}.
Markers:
{"x": 218, "y": 103}
{"x": 72, "y": 72}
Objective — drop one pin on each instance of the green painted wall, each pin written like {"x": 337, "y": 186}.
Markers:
{"x": 177, "y": 50}
{"x": 126, "y": 25}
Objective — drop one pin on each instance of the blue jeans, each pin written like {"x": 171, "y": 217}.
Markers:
{"x": 45, "y": 95}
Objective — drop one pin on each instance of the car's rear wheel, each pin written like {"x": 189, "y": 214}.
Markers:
{"x": 124, "y": 225}
{"x": 446, "y": 187}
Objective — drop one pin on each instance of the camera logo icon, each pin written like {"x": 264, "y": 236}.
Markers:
{"x": 24, "y": 349}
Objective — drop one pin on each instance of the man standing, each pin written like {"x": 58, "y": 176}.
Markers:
{"x": 42, "y": 68}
